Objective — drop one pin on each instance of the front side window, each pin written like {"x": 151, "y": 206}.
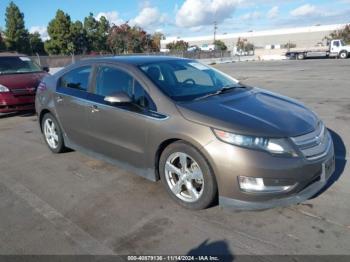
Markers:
{"x": 336, "y": 43}
{"x": 110, "y": 81}
{"x": 185, "y": 80}
{"x": 18, "y": 65}
{"x": 77, "y": 78}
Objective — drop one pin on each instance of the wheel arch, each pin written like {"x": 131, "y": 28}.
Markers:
{"x": 344, "y": 51}
{"x": 170, "y": 141}
{"x": 159, "y": 152}
{"x": 41, "y": 116}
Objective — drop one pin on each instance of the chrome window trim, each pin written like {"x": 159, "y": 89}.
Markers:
{"x": 118, "y": 108}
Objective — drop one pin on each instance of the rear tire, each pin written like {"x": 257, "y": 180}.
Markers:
{"x": 343, "y": 55}
{"x": 192, "y": 184}
{"x": 53, "y": 135}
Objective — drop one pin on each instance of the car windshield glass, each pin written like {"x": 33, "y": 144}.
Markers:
{"x": 17, "y": 65}
{"x": 342, "y": 43}
{"x": 186, "y": 80}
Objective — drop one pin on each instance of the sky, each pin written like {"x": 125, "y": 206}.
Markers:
{"x": 188, "y": 17}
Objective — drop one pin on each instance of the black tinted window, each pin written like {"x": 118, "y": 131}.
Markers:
{"x": 111, "y": 80}
{"x": 77, "y": 78}
{"x": 141, "y": 97}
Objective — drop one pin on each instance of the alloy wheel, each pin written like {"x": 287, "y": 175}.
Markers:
{"x": 50, "y": 132}
{"x": 184, "y": 177}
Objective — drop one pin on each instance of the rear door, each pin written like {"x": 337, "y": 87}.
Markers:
{"x": 119, "y": 131}
{"x": 71, "y": 104}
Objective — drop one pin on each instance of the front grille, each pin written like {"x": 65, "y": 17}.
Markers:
{"x": 314, "y": 145}
{"x": 23, "y": 91}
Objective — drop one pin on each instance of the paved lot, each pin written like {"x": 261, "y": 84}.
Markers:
{"x": 72, "y": 204}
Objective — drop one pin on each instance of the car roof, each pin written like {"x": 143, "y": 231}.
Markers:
{"x": 7, "y": 54}
{"x": 135, "y": 60}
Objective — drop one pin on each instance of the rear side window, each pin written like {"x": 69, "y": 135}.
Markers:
{"x": 77, "y": 78}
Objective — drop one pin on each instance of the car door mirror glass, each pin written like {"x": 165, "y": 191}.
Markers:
{"x": 118, "y": 98}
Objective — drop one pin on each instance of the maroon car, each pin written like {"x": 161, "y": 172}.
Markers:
{"x": 19, "y": 78}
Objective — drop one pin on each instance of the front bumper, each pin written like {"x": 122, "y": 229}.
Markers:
{"x": 302, "y": 196}
{"x": 11, "y": 103}
{"x": 229, "y": 162}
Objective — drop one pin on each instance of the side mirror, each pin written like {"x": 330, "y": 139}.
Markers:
{"x": 118, "y": 98}
{"x": 46, "y": 69}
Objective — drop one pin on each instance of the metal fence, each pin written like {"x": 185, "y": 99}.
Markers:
{"x": 64, "y": 60}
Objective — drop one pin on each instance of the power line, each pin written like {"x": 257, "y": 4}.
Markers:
{"x": 215, "y": 28}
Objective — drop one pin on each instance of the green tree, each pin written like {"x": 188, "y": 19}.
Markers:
{"x": 177, "y": 46}
{"x": 91, "y": 27}
{"x": 341, "y": 34}
{"x": 59, "y": 30}
{"x": 79, "y": 38}
{"x": 36, "y": 43}
{"x": 2, "y": 42}
{"x": 102, "y": 34}
{"x": 16, "y": 35}
{"x": 220, "y": 45}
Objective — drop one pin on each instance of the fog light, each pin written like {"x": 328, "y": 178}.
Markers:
{"x": 256, "y": 185}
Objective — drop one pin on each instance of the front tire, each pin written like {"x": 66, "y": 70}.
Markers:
{"x": 300, "y": 56}
{"x": 343, "y": 55}
{"x": 187, "y": 176}
{"x": 52, "y": 133}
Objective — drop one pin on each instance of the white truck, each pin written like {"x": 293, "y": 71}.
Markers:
{"x": 208, "y": 47}
{"x": 335, "y": 48}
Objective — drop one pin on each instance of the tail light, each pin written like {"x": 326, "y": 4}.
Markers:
{"x": 42, "y": 87}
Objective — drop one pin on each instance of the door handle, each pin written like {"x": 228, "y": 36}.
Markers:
{"x": 94, "y": 108}
{"x": 59, "y": 99}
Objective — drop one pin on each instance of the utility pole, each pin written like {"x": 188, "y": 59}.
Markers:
{"x": 215, "y": 28}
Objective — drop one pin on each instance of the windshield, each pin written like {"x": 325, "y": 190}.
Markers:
{"x": 17, "y": 65}
{"x": 342, "y": 43}
{"x": 185, "y": 80}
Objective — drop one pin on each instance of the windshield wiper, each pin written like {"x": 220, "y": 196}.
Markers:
{"x": 218, "y": 92}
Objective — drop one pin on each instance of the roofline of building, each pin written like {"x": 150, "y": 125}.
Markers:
{"x": 282, "y": 31}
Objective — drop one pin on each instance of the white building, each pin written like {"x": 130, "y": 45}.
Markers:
{"x": 268, "y": 39}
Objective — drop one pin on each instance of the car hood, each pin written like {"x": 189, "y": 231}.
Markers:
{"x": 14, "y": 81}
{"x": 253, "y": 112}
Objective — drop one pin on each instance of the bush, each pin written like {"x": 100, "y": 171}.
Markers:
{"x": 177, "y": 46}
{"x": 220, "y": 45}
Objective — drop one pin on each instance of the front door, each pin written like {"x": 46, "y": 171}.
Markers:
{"x": 119, "y": 131}
{"x": 335, "y": 46}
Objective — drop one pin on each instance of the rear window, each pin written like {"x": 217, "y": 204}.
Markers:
{"x": 18, "y": 65}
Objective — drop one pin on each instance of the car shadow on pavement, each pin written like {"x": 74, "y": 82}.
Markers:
{"x": 219, "y": 249}
{"x": 340, "y": 161}
{"x": 22, "y": 114}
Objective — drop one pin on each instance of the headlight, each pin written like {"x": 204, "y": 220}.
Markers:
{"x": 277, "y": 146}
{"x": 3, "y": 89}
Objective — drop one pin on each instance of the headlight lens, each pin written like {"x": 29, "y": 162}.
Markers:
{"x": 3, "y": 89}
{"x": 277, "y": 146}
